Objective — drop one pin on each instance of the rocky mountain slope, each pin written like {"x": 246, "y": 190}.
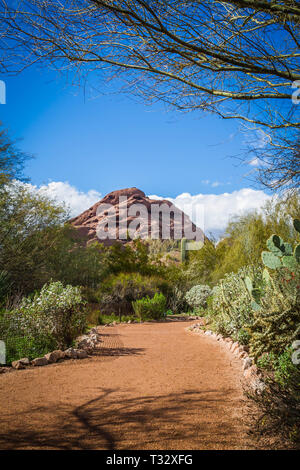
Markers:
{"x": 123, "y": 217}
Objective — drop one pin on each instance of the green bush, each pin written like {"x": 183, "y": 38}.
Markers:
{"x": 105, "y": 319}
{"x": 50, "y": 319}
{"x": 243, "y": 336}
{"x": 197, "y": 296}
{"x": 118, "y": 292}
{"x": 153, "y": 308}
{"x": 279, "y": 403}
{"x": 26, "y": 346}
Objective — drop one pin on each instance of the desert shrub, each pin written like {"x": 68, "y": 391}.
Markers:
{"x": 169, "y": 312}
{"x": 27, "y": 346}
{"x": 197, "y": 296}
{"x": 5, "y": 286}
{"x": 232, "y": 304}
{"x": 117, "y": 292}
{"x": 176, "y": 300}
{"x": 49, "y": 319}
{"x": 277, "y": 323}
{"x": 242, "y": 336}
{"x": 153, "y": 308}
{"x": 279, "y": 402}
{"x": 105, "y": 319}
{"x": 161, "y": 247}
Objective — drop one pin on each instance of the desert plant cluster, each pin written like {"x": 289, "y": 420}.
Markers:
{"x": 54, "y": 287}
{"x": 260, "y": 307}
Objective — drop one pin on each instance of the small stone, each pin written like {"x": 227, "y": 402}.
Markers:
{"x": 54, "y": 356}
{"x": 18, "y": 365}
{"x": 4, "y": 369}
{"x": 21, "y": 363}
{"x": 208, "y": 333}
{"x": 25, "y": 361}
{"x": 70, "y": 353}
{"x": 242, "y": 355}
{"x": 258, "y": 385}
{"x": 94, "y": 337}
{"x": 234, "y": 347}
{"x": 39, "y": 361}
{"x": 81, "y": 354}
{"x": 247, "y": 363}
{"x": 251, "y": 373}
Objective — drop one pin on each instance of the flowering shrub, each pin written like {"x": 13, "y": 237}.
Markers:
{"x": 53, "y": 317}
{"x": 197, "y": 296}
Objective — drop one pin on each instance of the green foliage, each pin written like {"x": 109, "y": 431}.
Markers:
{"x": 148, "y": 307}
{"x": 18, "y": 347}
{"x": 130, "y": 258}
{"x": 270, "y": 260}
{"x": 245, "y": 239}
{"x": 243, "y": 336}
{"x": 197, "y": 296}
{"x": 53, "y": 317}
{"x": 183, "y": 250}
{"x": 12, "y": 160}
{"x": 176, "y": 299}
{"x": 30, "y": 226}
{"x": 277, "y": 316}
{"x": 232, "y": 306}
{"x": 5, "y": 286}
{"x": 106, "y": 319}
{"x": 117, "y": 292}
{"x": 161, "y": 247}
{"x": 279, "y": 403}
{"x": 281, "y": 253}
{"x": 169, "y": 312}
{"x": 277, "y": 323}
{"x": 296, "y": 224}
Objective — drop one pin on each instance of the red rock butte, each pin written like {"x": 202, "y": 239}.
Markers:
{"x": 86, "y": 223}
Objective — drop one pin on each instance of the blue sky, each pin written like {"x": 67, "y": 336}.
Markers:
{"x": 110, "y": 141}
{"x": 107, "y": 141}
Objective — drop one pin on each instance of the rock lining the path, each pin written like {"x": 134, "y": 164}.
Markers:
{"x": 85, "y": 344}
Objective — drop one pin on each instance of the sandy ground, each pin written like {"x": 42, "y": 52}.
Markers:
{"x": 149, "y": 386}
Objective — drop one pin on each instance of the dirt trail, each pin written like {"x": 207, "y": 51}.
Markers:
{"x": 150, "y": 386}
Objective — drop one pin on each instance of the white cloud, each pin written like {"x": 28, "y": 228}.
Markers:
{"x": 62, "y": 192}
{"x": 214, "y": 184}
{"x": 219, "y": 208}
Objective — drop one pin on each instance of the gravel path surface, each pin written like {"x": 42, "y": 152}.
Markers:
{"x": 149, "y": 386}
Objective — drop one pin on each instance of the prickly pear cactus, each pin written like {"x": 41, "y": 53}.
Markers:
{"x": 281, "y": 254}
{"x": 270, "y": 260}
{"x": 254, "y": 292}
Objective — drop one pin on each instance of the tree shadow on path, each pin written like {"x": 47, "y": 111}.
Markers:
{"x": 187, "y": 420}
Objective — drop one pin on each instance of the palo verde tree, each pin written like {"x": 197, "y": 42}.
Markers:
{"x": 238, "y": 59}
{"x": 12, "y": 160}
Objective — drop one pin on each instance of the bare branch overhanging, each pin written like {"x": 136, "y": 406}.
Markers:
{"x": 237, "y": 58}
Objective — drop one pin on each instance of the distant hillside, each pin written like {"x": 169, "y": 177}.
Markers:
{"x": 87, "y": 222}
